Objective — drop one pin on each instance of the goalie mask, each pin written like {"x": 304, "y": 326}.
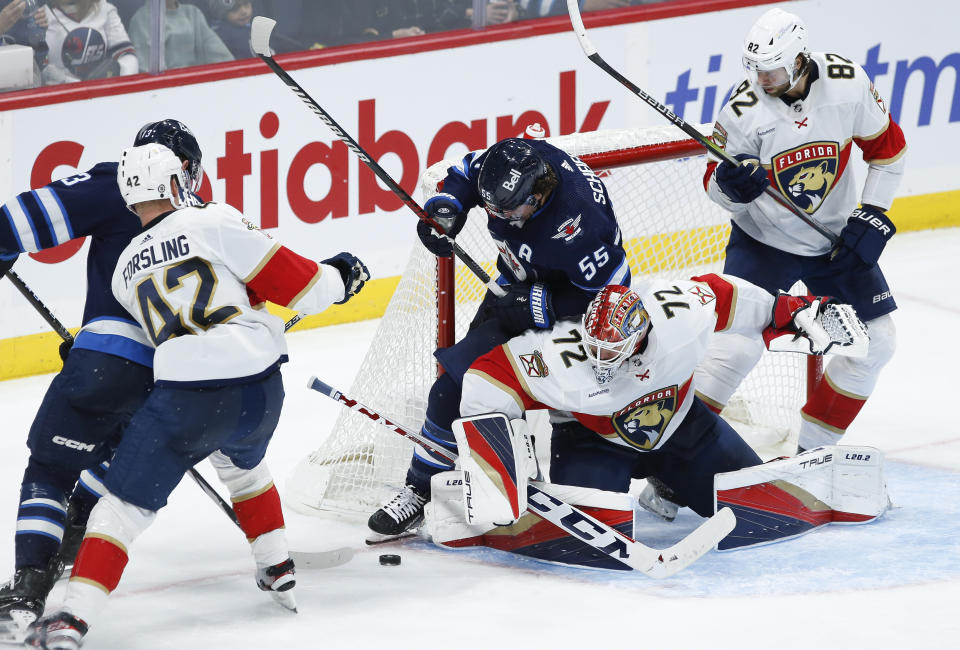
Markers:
{"x": 771, "y": 49}
{"x": 614, "y": 326}
{"x": 507, "y": 178}
{"x": 175, "y": 136}
{"x": 151, "y": 172}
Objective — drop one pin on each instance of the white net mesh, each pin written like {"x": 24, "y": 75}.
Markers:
{"x": 671, "y": 229}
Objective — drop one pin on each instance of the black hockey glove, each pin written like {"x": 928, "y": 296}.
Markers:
{"x": 65, "y": 347}
{"x": 447, "y": 211}
{"x": 744, "y": 182}
{"x": 526, "y": 306}
{"x": 353, "y": 272}
{"x": 863, "y": 238}
{"x": 7, "y": 264}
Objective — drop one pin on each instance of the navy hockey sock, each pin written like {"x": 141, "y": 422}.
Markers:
{"x": 40, "y": 524}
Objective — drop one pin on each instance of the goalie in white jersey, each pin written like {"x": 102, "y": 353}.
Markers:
{"x": 196, "y": 279}
{"x": 626, "y": 372}
{"x": 792, "y": 123}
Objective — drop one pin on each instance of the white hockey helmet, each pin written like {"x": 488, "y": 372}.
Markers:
{"x": 773, "y": 44}
{"x": 146, "y": 173}
{"x": 614, "y": 326}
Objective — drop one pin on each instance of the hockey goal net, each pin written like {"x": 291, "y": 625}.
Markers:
{"x": 670, "y": 229}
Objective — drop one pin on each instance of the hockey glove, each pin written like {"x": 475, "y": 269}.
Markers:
{"x": 526, "y": 306}
{"x": 744, "y": 182}
{"x": 448, "y": 213}
{"x": 863, "y": 238}
{"x": 815, "y": 325}
{"x": 353, "y": 272}
{"x": 64, "y": 350}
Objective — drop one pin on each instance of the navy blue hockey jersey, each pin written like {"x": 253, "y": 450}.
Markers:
{"x": 87, "y": 204}
{"x": 573, "y": 243}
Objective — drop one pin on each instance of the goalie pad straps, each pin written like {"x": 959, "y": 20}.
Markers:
{"x": 496, "y": 456}
{"x": 786, "y": 498}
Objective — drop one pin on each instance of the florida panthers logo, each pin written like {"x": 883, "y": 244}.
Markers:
{"x": 641, "y": 423}
{"x": 806, "y": 174}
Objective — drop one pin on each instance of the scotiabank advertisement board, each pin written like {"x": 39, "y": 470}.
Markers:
{"x": 269, "y": 156}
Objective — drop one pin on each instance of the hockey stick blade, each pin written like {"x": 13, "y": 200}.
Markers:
{"x": 260, "y": 29}
{"x": 650, "y": 561}
{"x": 321, "y": 559}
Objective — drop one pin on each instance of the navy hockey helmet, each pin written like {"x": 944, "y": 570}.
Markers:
{"x": 508, "y": 175}
{"x": 175, "y": 135}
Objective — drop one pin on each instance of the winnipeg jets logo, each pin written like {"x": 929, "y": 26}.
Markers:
{"x": 569, "y": 229}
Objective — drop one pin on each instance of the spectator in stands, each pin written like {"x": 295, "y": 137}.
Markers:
{"x": 538, "y": 8}
{"x": 87, "y": 41}
{"x": 19, "y": 27}
{"x": 189, "y": 39}
{"x": 231, "y": 20}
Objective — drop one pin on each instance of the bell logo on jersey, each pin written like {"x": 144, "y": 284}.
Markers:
{"x": 641, "y": 423}
{"x": 807, "y": 173}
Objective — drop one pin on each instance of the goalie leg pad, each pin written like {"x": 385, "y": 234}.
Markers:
{"x": 786, "y": 498}
{"x": 531, "y": 536}
{"x": 497, "y": 459}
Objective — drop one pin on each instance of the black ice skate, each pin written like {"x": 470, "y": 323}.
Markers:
{"x": 59, "y": 631}
{"x": 23, "y": 598}
{"x": 400, "y": 517}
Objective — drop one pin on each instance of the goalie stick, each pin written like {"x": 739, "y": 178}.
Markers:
{"x": 653, "y": 562}
{"x": 303, "y": 559}
{"x": 260, "y": 31}
{"x": 581, "y": 32}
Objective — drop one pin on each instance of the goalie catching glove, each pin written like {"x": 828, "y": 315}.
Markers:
{"x": 447, "y": 212}
{"x": 353, "y": 272}
{"x": 815, "y": 325}
{"x": 497, "y": 459}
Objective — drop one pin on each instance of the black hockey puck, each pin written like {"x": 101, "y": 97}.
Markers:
{"x": 390, "y": 560}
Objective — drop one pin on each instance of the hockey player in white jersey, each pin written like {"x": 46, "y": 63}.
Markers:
{"x": 792, "y": 123}
{"x": 196, "y": 279}
{"x": 626, "y": 372}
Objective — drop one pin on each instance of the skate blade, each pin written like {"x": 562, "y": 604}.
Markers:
{"x": 375, "y": 539}
{"x": 285, "y": 599}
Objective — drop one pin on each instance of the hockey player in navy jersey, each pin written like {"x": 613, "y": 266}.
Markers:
{"x": 196, "y": 279}
{"x": 104, "y": 380}
{"x": 554, "y": 225}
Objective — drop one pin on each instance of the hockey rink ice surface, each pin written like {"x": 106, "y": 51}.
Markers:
{"x": 891, "y": 584}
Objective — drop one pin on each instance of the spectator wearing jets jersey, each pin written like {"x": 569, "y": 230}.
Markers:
{"x": 87, "y": 41}
{"x": 793, "y": 122}
{"x": 196, "y": 279}
{"x": 104, "y": 380}
{"x": 554, "y": 225}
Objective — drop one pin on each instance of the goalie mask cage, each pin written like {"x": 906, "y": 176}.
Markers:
{"x": 670, "y": 228}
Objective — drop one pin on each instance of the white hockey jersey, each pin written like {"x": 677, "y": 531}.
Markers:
{"x": 95, "y": 39}
{"x": 645, "y": 402}
{"x": 196, "y": 280}
{"x": 805, "y": 148}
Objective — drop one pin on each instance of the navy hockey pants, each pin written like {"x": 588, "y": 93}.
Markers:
{"x": 774, "y": 269}
{"x": 180, "y": 426}
{"x": 703, "y": 445}
{"x": 84, "y": 412}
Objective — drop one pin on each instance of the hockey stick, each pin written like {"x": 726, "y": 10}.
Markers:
{"x": 41, "y": 308}
{"x": 581, "y": 32}
{"x": 302, "y": 559}
{"x": 650, "y": 561}
{"x": 260, "y": 42}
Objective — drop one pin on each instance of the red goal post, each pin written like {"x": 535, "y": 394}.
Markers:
{"x": 670, "y": 229}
